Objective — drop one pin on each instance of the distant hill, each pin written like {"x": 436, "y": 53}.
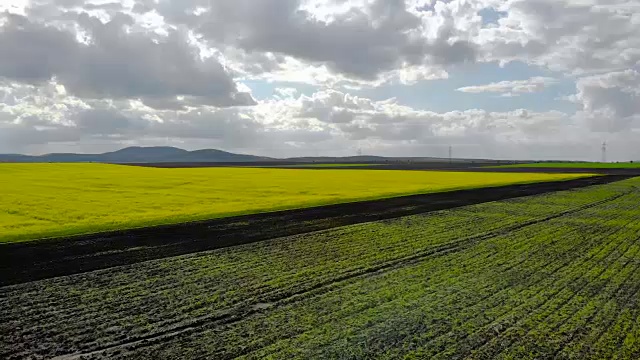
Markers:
{"x": 168, "y": 154}
{"x": 136, "y": 154}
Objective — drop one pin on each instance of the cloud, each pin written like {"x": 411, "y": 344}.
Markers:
{"x": 361, "y": 118}
{"x": 286, "y": 92}
{"x": 349, "y": 44}
{"x": 325, "y": 122}
{"x": 380, "y": 41}
{"x": 610, "y": 102}
{"x": 512, "y": 88}
{"x": 365, "y": 41}
{"x": 37, "y": 120}
{"x": 375, "y": 42}
{"x": 115, "y": 63}
{"x": 576, "y": 37}
{"x": 109, "y": 122}
{"x": 33, "y": 53}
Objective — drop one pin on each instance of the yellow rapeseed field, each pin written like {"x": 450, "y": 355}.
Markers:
{"x": 47, "y": 200}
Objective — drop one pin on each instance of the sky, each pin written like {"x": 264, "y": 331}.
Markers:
{"x": 505, "y": 79}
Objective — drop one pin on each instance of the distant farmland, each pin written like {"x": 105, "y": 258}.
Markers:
{"x": 572, "y": 165}
{"x": 325, "y": 165}
{"x": 547, "y": 276}
{"x": 46, "y": 200}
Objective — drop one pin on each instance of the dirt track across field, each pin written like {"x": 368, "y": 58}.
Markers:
{"x": 23, "y": 262}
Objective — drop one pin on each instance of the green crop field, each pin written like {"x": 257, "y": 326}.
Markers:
{"x": 547, "y": 276}
{"x": 323, "y": 165}
{"x": 45, "y": 200}
{"x": 569, "y": 165}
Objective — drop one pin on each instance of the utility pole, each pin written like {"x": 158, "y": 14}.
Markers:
{"x": 604, "y": 151}
{"x": 450, "y": 155}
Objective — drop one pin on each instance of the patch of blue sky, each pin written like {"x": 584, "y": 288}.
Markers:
{"x": 442, "y": 95}
{"x": 491, "y": 15}
{"x": 263, "y": 90}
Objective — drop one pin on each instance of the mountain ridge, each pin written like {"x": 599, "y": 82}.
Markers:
{"x": 135, "y": 154}
{"x": 169, "y": 154}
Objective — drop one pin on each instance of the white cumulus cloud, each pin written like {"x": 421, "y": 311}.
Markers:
{"x": 514, "y": 87}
